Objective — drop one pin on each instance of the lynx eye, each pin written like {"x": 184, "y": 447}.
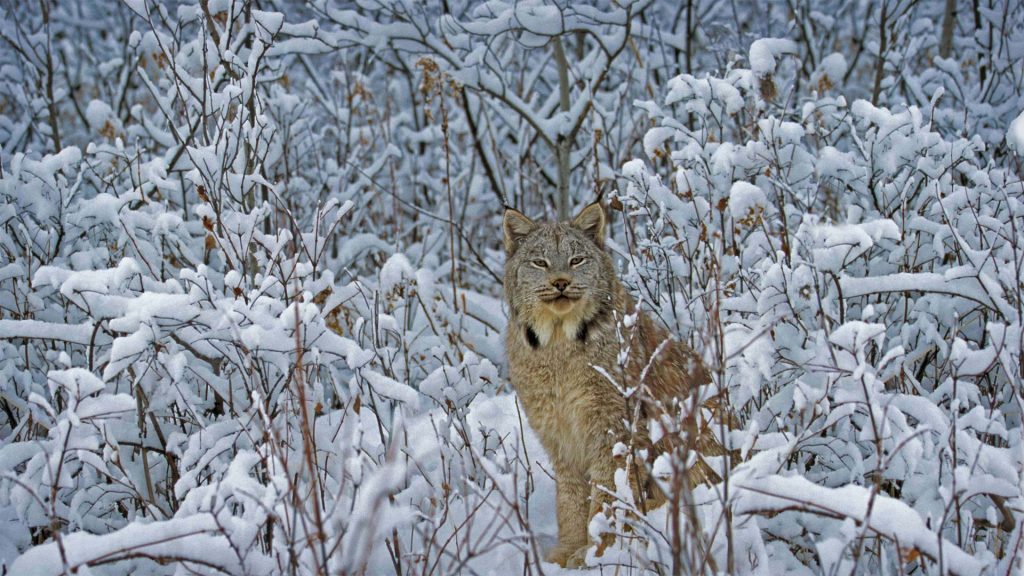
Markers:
{"x": 576, "y": 261}
{"x": 540, "y": 263}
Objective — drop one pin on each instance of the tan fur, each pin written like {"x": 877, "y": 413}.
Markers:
{"x": 577, "y": 413}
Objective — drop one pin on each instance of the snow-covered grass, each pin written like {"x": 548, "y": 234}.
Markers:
{"x": 250, "y": 280}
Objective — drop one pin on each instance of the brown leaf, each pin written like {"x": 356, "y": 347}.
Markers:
{"x": 911, "y": 555}
{"x": 607, "y": 540}
{"x": 320, "y": 298}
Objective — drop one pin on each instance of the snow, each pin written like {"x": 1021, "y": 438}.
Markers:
{"x": 396, "y": 270}
{"x": 77, "y": 334}
{"x": 833, "y": 67}
{"x": 1015, "y": 134}
{"x": 99, "y": 113}
{"x": 837, "y": 245}
{"x": 967, "y": 288}
{"x": 835, "y": 164}
{"x": 138, "y": 6}
{"x": 655, "y": 138}
{"x": 231, "y": 342}
{"x": 539, "y": 19}
{"x": 765, "y": 53}
{"x": 390, "y": 388}
{"x": 704, "y": 94}
{"x": 746, "y": 199}
{"x": 179, "y": 537}
{"x": 270, "y": 21}
{"x": 634, "y": 169}
{"x": 77, "y": 382}
{"x": 886, "y": 516}
{"x": 855, "y": 335}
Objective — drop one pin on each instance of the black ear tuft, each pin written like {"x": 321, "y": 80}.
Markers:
{"x": 516, "y": 226}
{"x": 591, "y": 221}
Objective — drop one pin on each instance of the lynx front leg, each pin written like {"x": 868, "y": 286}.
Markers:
{"x": 602, "y": 482}
{"x": 593, "y": 487}
{"x": 572, "y": 493}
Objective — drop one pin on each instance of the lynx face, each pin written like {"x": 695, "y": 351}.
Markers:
{"x": 557, "y": 275}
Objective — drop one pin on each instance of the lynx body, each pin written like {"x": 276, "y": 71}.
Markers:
{"x": 565, "y": 308}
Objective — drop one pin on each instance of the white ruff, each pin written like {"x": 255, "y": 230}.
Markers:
{"x": 548, "y": 325}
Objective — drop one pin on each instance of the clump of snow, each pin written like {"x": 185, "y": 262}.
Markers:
{"x": 654, "y": 139}
{"x": 834, "y": 66}
{"x": 271, "y": 22}
{"x": 703, "y": 95}
{"x": 830, "y": 72}
{"x": 766, "y": 53}
{"x": 396, "y": 270}
{"x": 102, "y": 119}
{"x": 836, "y": 164}
{"x": 539, "y": 19}
{"x": 1015, "y": 134}
{"x": 391, "y": 388}
{"x": 747, "y": 203}
{"x": 834, "y": 246}
{"x": 233, "y": 279}
{"x": 634, "y": 169}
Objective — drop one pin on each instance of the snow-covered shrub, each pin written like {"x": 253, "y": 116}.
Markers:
{"x": 187, "y": 380}
{"x": 854, "y": 277}
{"x": 250, "y": 316}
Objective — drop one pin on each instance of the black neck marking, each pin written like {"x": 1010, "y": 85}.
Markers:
{"x": 581, "y": 332}
{"x": 531, "y": 338}
{"x": 600, "y": 316}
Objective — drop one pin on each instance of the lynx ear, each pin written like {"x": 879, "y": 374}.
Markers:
{"x": 516, "y": 227}
{"x": 591, "y": 222}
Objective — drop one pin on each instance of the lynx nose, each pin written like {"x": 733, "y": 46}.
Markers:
{"x": 560, "y": 283}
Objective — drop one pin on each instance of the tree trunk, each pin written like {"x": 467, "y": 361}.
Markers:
{"x": 563, "y": 145}
{"x": 948, "y": 22}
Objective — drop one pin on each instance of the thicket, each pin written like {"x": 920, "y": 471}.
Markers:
{"x": 250, "y": 272}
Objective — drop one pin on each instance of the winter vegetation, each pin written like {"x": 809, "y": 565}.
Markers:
{"x": 250, "y": 279}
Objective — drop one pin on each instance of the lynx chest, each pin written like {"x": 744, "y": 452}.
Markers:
{"x": 564, "y": 396}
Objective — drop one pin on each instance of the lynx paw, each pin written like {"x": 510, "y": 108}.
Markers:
{"x": 568, "y": 556}
{"x": 577, "y": 559}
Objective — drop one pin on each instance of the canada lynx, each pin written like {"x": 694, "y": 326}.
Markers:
{"x": 565, "y": 305}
